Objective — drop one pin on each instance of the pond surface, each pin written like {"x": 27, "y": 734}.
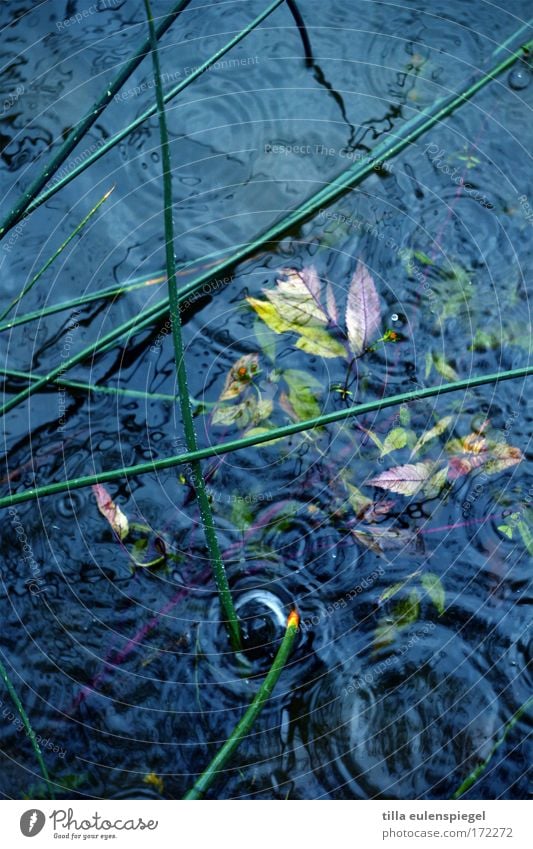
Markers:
{"x": 415, "y": 646}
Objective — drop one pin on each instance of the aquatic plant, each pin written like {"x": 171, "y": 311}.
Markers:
{"x": 300, "y": 305}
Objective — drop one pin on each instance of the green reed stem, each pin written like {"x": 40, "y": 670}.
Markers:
{"x": 152, "y": 110}
{"x": 243, "y": 727}
{"x": 409, "y": 132}
{"x": 82, "y": 127}
{"x": 260, "y": 439}
{"x": 204, "y": 503}
{"x": 93, "y": 387}
{"x": 54, "y": 256}
{"x": 27, "y": 727}
{"x": 111, "y": 292}
{"x": 479, "y": 770}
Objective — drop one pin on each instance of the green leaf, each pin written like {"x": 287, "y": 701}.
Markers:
{"x": 405, "y": 415}
{"x": 507, "y": 530}
{"x": 270, "y": 315}
{"x": 438, "y": 430}
{"x": 443, "y": 368}
{"x": 435, "y": 590}
{"x": 395, "y": 588}
{"x": 407, "y": 611}
{"x": 316, "y": 340}
{"x": 303, "y": 392}
{"x": 356, "y": 498}
{"x": 395, "y": 439}
{"x": 266, "y": 339}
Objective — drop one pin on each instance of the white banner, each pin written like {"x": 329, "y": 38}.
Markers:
{"x": 265, "y": 824}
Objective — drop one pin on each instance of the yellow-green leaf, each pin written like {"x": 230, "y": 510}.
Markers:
{"x": 395, "y": 439}
{"x": 316, "y": 340}
{"x": 435, "y": 590}
{"x": 435, "y": 431}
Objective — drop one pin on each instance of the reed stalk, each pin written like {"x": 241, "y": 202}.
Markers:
{"x": 202, "y": 496}
{"x": 82, "y": 127}
{"x": 244, "y": 726}
{"x": 409, "y": 132}
{"x": 54, "y": 256}
{"x": 27, "y": 727}
{"x": 260, "y": 439}
{"x": 152, "y": 110}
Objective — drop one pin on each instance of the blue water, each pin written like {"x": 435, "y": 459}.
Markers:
{"x": 126, "y": 671}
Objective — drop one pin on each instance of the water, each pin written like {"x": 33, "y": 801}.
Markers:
{"x": 126, "y": 671}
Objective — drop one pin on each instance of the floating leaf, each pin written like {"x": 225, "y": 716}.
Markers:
{"x": 270, "y": 315}
{"x": 331, "y": 304}
{"x": 111, "y": 511}
{"x": 363, "y": 313}
{"x": 247, "y": 412}
{"x": 320, "y": 342}
{"x": 303, "y": 392}
{"x": 502, "y": 457}
{"x": 297, "y": 298}
{"x": 395, "y": 439}
{"x": 239, "y": 376}
{"x": 406, "y": 480}
{"x": 435, "y": 590}
{"x": 435, "y": 431}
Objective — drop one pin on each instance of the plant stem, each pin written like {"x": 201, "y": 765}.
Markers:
{"x": 152, "y": 110}
{"x": 477, "y": 772}
{"x": 54, "y": 256}
{"x": 204, "y": 504}
{"x": 243, "y": 727}
{"x": 260, "y": 439}
{"x": 93, "y": 387}
{"x": 111, "y": 292}
{"x": 409, "y": 132}
{"x": 82, "y": 127}
{"x": 27, "y": 727}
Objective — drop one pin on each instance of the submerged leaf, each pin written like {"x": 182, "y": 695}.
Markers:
{"x": 395, "y": 588}
{"x": 363, "y": 313}
{"x": 303, "y": 392}
{"x": 111, "y": 511}
{"x": 494, "y": 457}
{"x": 444, "y": 368}
{"x": 406, "y": 480}
{"x": 435, "y": 431}
{"x": 435, "y": 590}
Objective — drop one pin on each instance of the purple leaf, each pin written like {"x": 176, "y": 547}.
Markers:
{"x": 406, "y": 480}
{"x": 331, "y": 304}
{"x": 363, "y": 313}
